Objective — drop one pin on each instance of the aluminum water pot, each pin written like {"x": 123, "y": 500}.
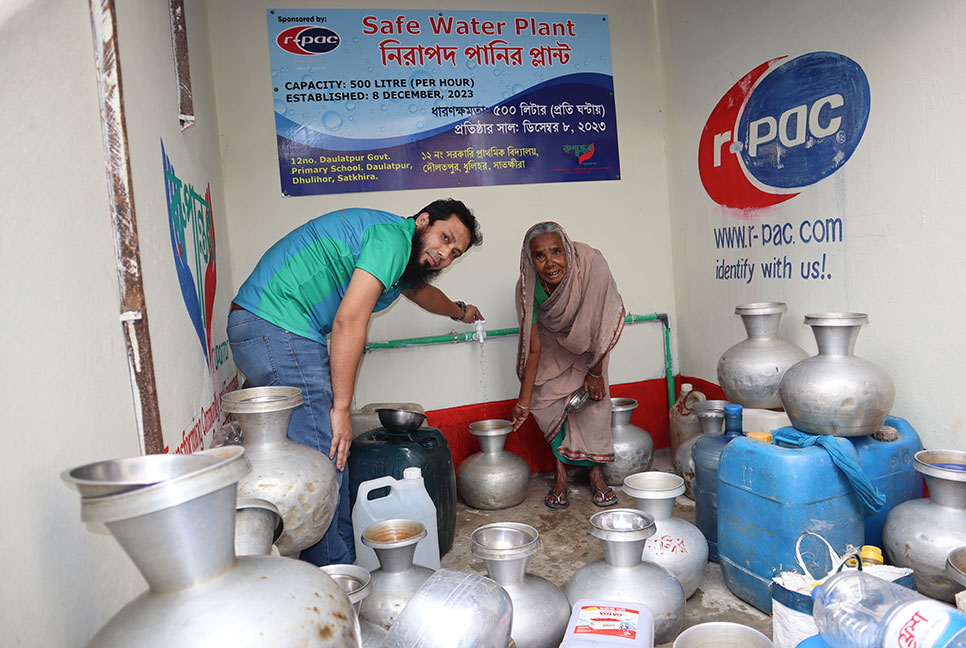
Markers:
{"x": 455, "y": 609}
{"x": 299, "y": 480}
{"x": 177, "y": 526}
{"x": 919, "y": 534}
{"x": 540, "y": 609}
{"x": 258, "y": 524}
{"x": 356, "y": 582}
{"x": 710, "y": 414}
{"x": 751, "y": 371}
{"x": 677, "y": 545}
{"x": 397, "y": 579}
{"x": 835, "y": 392}
{"x": 622, "y": 576}
{"x": 493, "y": 478}
{"x": 633, "y": 446}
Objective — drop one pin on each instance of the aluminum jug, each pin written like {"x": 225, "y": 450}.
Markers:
{"x": 677, "y": 545}
{"x": 920, "y": 533}
{"x": 493, "y": 478}
{"x": 299, "y": 480}
{"x": 397, "y": 579}
{"x": 835, "y": 392}
{"x": 633, "y": 446}
{"x": 156, "y": 507}
{"x": 540, "y": 610}
{"x": 751, "y": 371}
{"x": 622, "y": 576}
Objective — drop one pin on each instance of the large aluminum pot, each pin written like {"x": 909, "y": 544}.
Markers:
{"x": 751, "y": 371}
{"x": 454, "y": 609}
{"x": 919, "y": 534}
{"x": 297, "y": 479}
{"x": 492, "y": 478}
{"x": 206, "y": 596}
{"x": 835, "y": 392}
{"x": 633, "y": 446}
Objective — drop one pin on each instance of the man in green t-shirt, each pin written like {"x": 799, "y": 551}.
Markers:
{"x": 326, "y": 278}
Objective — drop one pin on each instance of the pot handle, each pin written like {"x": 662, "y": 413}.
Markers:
{"x": 685, "y": 407}
{"x": 367, "y": 487}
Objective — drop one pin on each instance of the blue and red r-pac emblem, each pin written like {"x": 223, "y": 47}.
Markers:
{"x": 308, "y": 40}
{"x": 784, "y": 126}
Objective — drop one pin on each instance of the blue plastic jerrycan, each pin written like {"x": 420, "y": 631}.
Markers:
{"x": 769, "y": 495}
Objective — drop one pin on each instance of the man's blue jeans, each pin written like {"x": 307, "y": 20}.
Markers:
{"x": 270, "y": 355}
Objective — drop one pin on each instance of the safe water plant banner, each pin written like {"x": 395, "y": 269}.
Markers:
{"x": 372, "y": 100}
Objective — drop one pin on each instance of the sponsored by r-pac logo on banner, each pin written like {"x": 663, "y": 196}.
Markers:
{"x": 308, "y": 40}
{"x": 784, "y": 126}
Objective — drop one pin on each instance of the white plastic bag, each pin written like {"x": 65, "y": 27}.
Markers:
{"x": 791, "y": 592}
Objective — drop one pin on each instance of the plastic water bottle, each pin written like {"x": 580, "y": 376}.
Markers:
{"x": 732, "y": 420}
{"x": 858, "y": 610}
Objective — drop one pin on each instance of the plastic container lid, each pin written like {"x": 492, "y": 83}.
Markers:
{"x": 413, "y": 472}
{"x": 732, "y": 408}
{"x": 764, "y": 437}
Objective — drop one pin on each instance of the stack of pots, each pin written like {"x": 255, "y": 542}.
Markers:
{"x": 751, "y": 371}
{"x": 492, "y": 478}
{"x": 623, "y": 576}
{"x": 677, "y": 545}
{"x": 633, "y": 446}
{"x": 540, "y": 609}
{"x": 157, "y": 505}
{"x": 299, "y": 481}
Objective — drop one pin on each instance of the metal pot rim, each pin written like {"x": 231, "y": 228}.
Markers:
{"x": 761, "y": 308}
{"x": 643, "y": 526}
{"x": 836, "y": 319}
{"x": 491, "y": 427}
{"x": 394, "y": 544}
{"x": 265, "y": 505}
{"x": 623, "y": 404}
{"x": 709, "y": 408}
{"x": 351, "y": 574}
{"x": 259, "y": 400}
{"x": 229, "y": 465}
{"x": 925, "y": 460}
{"x": 486, "y": 552}
{"x": 956, "y": 565}
{"x": 653, "y": 485}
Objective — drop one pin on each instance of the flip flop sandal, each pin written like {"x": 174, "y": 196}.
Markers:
{"x": 559, "y": 500}
{"x": 602, "y": 499}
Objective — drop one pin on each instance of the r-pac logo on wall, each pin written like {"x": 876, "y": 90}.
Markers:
{"x": 308, "y": 40}
{"x": 784, "y": 126}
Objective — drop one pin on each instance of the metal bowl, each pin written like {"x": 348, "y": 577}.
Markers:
{"x": 722, "y": 634}
{"x": 400, "y": 420}
{"x": 956, "y": 565}
{"x": 122, "y": 475}
{"x": 578, "y": 401}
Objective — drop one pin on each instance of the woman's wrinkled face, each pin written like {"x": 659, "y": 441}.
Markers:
{"x": 549, "y": 258}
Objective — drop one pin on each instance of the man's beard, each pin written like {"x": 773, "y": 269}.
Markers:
{"x": 417, "y": 272}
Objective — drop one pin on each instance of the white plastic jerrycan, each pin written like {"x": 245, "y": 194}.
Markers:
{"x": 407, "y": 499}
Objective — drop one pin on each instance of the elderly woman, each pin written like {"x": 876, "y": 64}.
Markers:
{"x": 571, "y": 316}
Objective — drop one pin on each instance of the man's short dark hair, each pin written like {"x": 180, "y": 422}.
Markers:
{"x": 444, "y": 208}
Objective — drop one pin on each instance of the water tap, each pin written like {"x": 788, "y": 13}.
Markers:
{"x": 480, "y": 334}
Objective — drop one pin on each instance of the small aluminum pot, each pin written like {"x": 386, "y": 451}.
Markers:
{"x": 722, "y": 634}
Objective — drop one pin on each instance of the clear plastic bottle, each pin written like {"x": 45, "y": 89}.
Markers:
{"x": 858, "y": 610}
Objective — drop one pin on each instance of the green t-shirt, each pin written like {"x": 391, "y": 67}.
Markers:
{"x": 539, "y": 296}
{"x": 300, "y": 281}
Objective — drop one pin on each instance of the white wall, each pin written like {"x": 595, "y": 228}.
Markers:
{"x": 898, "y": 196}
{"x": 626, "y": 219}
{"x": 185, "y": 383}
{"x": 67, "y": 398}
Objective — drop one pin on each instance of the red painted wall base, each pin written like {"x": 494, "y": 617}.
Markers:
{"x": 528, "y": 441}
